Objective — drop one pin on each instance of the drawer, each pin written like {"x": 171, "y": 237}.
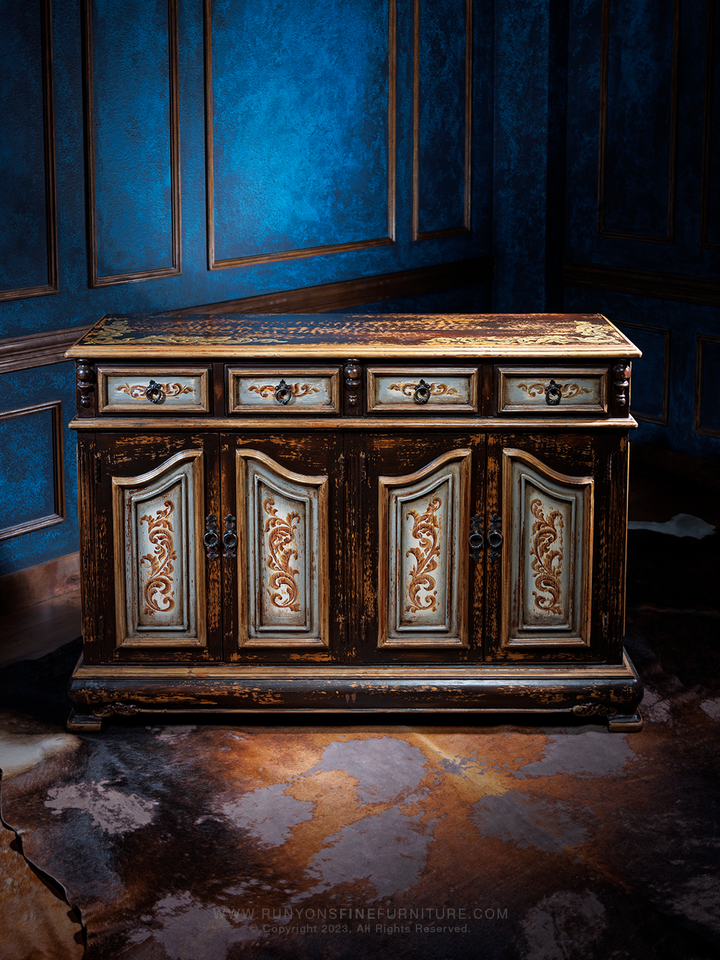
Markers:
{"x": 413, "y": 390}
{"x": 541, "y": 390}
{"x": 283, "y": 390}
{"x": 153, "y": 389}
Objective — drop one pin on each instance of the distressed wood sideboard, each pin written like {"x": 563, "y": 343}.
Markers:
{"x": 370, "y": 513}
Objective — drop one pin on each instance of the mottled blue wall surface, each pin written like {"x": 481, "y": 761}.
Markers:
{"x": 233, "y": 149}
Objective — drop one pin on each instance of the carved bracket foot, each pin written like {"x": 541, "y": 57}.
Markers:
{"x": 625, "y": 723}
{"x": 83, "y": 723}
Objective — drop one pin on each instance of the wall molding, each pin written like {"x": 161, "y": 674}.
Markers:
{"x": 215, "y": 264}
{"x": 466, "y": 226}
{"x": 329, "y": 297}
{"x": 643, "y": 283}
{"x": 51, "y": 216}
{"x": 602, "y": 133}
{"x": 664, "y": 332}
{"x": 707, "y": 130}
{"x": 174, "y": 99}
{"x": 55, "y": 409}
{"x": 41, "y": 582}
{"x": 698, "y": 428}
{"x": 38, "y": 349}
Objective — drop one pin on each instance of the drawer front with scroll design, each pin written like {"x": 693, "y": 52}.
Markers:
{"x": 412, "y": 390}
{"x": 281, "y": 390}
{"x": 540, "y": 390}
{"x": 153, "y": 389}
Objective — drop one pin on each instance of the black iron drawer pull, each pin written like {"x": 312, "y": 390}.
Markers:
{"x": 476, "y": 539}
{"x": 495, "y": 537}
{"x": 422, "y": 392}
{"x": 553, "y": 394}
{"x": 212, "y": 537}
{"x": 230, "y": 539}
{"x": 283, "y": 393}
{"x": 155, "y": 392}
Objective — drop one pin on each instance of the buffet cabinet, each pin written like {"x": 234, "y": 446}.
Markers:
{"x": 368, "y": 513}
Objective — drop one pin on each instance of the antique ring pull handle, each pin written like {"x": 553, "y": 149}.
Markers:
{"x": 476, "y": 539}
{"x": 211, "y": 538}
{"x": 155, "y": 392}
{"x": 422, "y": 392}
{"x": 553, "y": 394}
{"x": 495, "y": 537}
{"x": 230, "y": 539}
{"x": 283, "y": 392}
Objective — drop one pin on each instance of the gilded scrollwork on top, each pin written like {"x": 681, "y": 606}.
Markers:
{"x": 282, "y": 550}
{"x": 138, "y": 391}
{"x": 296, "y": 389}
{"x": 158, "y": 587}
{"x": 427, "y": 530}
{"x": 568, "y": 390}
{"x": 408, "y": 388}
{"x": 546, "y": 563}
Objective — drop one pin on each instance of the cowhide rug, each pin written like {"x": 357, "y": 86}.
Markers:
{"x": 348, "y": 839}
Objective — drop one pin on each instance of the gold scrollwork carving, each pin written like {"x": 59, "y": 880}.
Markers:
{"x": 296, "y": 389}
{"x": 568, "y": 390}
{"x": 159, "y": 584}
{"x": 282, "y": 547}
{"x": 436, "y": 389}
{"x": 138, "y": 390}
{"x": 545, "y": 533}
{"x": 426, "y": 529}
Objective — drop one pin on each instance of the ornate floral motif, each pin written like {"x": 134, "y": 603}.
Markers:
{"x": 426, "y": 529}
{"x": 546, "y": 563}
{"x": 159, "y": 583}
{"x": 138, "y": 390}
{"x": 436, "y": 389}
{"x": 568, "y": 390}
{"x": 296, "y": 389}
{"x": 282, "y": 547}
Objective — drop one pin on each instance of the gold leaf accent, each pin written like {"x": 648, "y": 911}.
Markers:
{"x": 547, "y": 580}
{"x": 426, "y": 529}
{"x": 296, "y": 389}
{"x": 568, "y": 390}
{"x": 436, "y": 389}
{"x": 160, "y": 583}
{"x": 283, "y": 587}
{"x": 137, "y": 390}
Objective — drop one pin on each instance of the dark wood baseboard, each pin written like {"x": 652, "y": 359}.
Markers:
{"x": 643, "y": 283}
{"x": 44, "y": 581}
{"x": 328, "y": 297}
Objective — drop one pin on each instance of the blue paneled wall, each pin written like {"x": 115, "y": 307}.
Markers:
{"x": 172, "y": 153}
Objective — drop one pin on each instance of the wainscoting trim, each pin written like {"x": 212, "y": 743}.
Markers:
{"x": 643, "y": 283}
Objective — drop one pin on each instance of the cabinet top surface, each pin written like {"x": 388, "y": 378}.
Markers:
{"x": 360, "y": 336}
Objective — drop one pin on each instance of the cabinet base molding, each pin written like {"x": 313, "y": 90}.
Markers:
{"x": 609, "y": 691}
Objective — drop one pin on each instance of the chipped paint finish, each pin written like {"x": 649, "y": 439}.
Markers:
{"x": 548, "y": 554}
{"x": 421, "y": 389}
{"x": 160, "y": 569}
{"x": 423, "y": 563}
{"x": 559, "y": 390}
{"x": 174, "y": 390}
{"x": 282, "y": 554}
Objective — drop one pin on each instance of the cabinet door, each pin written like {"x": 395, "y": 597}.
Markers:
{"x": 283, "y": 588}
{"x": 553, "y": 502}
{"x": 422, "y": 590}
{"x": 158, "y": 592}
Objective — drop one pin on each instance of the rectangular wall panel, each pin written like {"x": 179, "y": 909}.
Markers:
{"x": 300, "y": 128}
{"x": 31, "y": 483}
{"x": 28, "y": 217}
{"x": 650, "y": 399}
{"x": 442, "y": 118}
{"x": 710, "y": 214}
{"x": 132, "y": 139}
{"x": 638, "y": 119}
{"x": 707, "y": 387}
